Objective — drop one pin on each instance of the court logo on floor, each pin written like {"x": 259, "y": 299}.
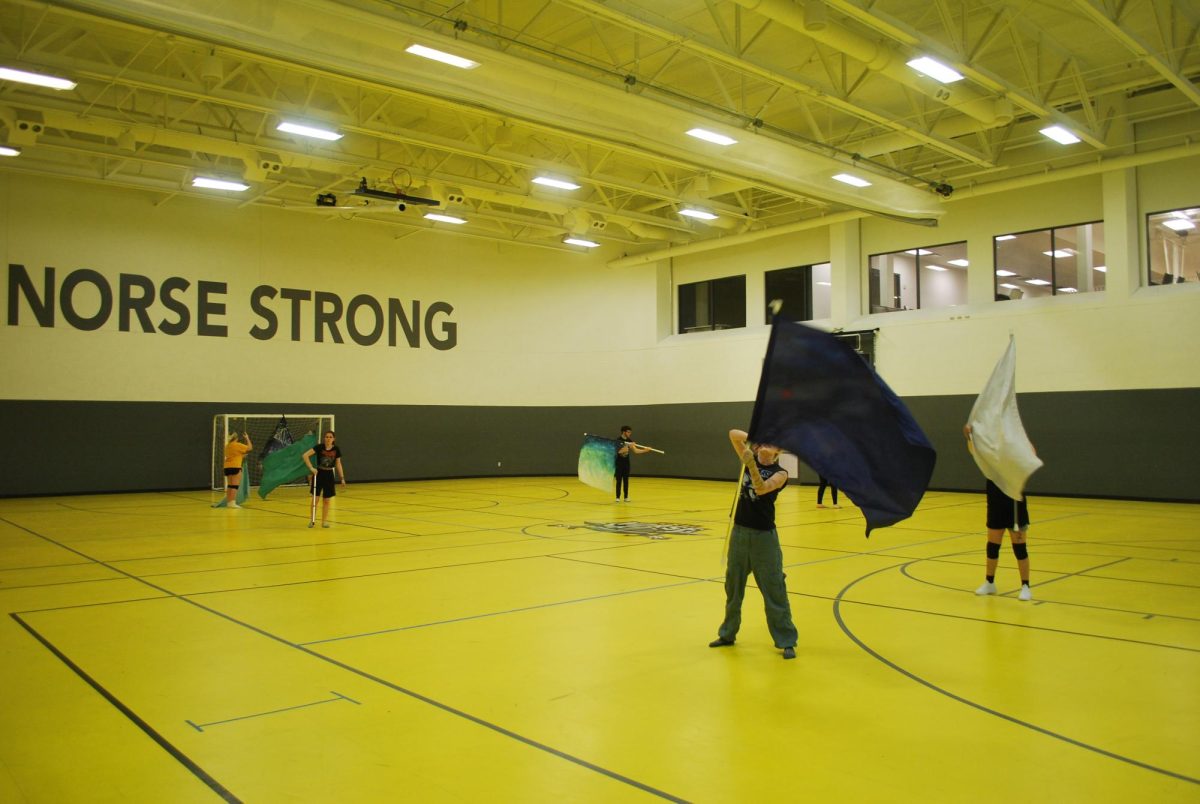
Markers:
{"x": 651, "y": 530}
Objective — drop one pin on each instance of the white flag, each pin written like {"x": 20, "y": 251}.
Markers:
{"x": 999, "y": 444}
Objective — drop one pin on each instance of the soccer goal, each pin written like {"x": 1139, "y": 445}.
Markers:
{"x": 268, "y": 432}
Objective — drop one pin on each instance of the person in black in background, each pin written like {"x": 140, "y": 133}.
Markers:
{"x": 626, "y": 445}
{"x": 754, "y": 547}
{"x": 329, "y": 458}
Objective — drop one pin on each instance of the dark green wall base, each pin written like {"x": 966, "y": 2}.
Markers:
{"x": 1126, "y": 444}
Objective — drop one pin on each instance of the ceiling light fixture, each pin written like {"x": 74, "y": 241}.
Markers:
{"x": 1037, "y": 282}
{"x": 444, "y": 58}
{"x": 711, "y": 136}
{"x": 1067, "y": 290}
{"x": 437, "y": 216}
{"x": 1003, "y": 272}
{"x": 1006, "y": 237}
{"x": 1101, "y": 268}
{"x": 309, "y": 131}
{"x": 935, "y": 70}
{"x": 699, "y": 214}
{"x": 561, "y": 184}
{"x": 1060, "y": 135}
{"x": 918, "y": 252}
{"x": 935, "y": 267}
{"x": 853, "y": 181}
{"x": 219, "y": 184}
{"x": 37, "y": 79}
{"x": 1059, "y": 253}
{"x": 6, "y": 150}
{"x": 959, "y": 263}
{"x": 1179, "y": 224}
{"x": 579, "y": 241}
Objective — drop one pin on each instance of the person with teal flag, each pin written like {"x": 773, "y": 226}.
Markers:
{"x": 285, "y": 465}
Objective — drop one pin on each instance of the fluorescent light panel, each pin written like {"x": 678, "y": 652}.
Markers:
{"x": 219, "y": 184}
{"x": 935, "y": 267}
{"x": 309, "y": 131}
{"x": 1060, "y": 135}
{"x": 935, "y": 70}
{"x": 437, "y": 216}
{"x": 1101, "y": 268}
{"x": 959, "y": 263}
{"x": 699, "y": 214}
{"x": 918, "y": 252}
{"x": 37, "y": 79}
{"x": 1007, "y": 285}
{"x": 1067, "y": 290}
{"x": 579, "y": 241}
{"x": 1037, "y": 282}
{"x": 711, "y": 136}
{"x": 1006, "y": 237}
{"x": 1178, "y": 224}
{"x": 444, "y": 58}
{"x": 1059, "y": 253}
{"x": 6, "y": 150}
{"x": 853, "y": 181}
{"x": 1003, "y": 272}
{"x": 561, "y": 184}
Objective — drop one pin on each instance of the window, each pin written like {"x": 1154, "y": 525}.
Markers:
{"x": 804, "y": 292}
{"x": 1172, "y": 258}
{"x": 714, "y": 304}
{"x": 924, "y": 278}
{"x": 1066, "y": 259}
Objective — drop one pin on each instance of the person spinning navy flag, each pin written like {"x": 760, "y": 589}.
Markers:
{"x": 754, "y": 547}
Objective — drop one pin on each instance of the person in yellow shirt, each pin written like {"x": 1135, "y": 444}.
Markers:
{"x": 235, "y": 453}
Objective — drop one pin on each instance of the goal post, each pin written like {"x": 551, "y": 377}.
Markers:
{"x": 261, "y": 427}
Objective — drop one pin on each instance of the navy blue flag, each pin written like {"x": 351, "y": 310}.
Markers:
{"x": 819, "y": 400}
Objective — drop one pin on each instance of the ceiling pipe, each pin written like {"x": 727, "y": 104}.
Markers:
{"x": 1185, "y": 151}
{"x": 882, "y": 57}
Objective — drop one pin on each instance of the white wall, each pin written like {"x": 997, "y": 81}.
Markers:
{"x": 540, "y": 328}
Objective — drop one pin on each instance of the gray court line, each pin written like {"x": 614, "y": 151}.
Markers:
{"x": 163, "y": 743}
{"x": 837, "y": 613}
{"x": 583, "y": 763}
{"x": 1017, "y": 625}
{"x": 509, "y": 611}
{"x": 338, "y": 697}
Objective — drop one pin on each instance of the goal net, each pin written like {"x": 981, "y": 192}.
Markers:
{"x": 268, "y": 432}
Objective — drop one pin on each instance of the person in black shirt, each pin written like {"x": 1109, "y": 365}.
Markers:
{"x": 754, "y": 547}
{"x": 329, "y": 458}
{"x": 625, "y": 445}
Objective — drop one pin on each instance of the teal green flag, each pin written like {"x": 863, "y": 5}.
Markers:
{"x": 285, "y": 465}
{"x": 597, "y": 462}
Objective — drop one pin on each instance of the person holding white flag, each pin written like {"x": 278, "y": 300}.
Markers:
{"x": 997, "y": 440}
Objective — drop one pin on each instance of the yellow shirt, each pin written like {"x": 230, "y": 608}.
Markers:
{"x": 235, "y": 453}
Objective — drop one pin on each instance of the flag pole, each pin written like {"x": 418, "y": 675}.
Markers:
{"x": 732, "y": 509}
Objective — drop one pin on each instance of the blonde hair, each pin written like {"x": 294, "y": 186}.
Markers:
{"x": 233, "y": 436}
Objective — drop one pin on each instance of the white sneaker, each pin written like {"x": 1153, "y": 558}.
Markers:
{"x": 325, "y": 525}
{"x": 233, "y": 505}
{"x": 1025, "y": 593}
{"x": 988, "y": 588}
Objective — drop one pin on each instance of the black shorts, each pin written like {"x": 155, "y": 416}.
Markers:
{"x": 1003, "y": 513}
{"x": 230, "y": 471}
{"x": 326, "y": 486}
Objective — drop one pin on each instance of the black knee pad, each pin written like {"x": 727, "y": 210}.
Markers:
{"x": 1020, "y": 551}
{"x": 993, "y": 549}
{"x": 233, "y": 486}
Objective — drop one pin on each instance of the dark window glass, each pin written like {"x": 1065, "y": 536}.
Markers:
{"x": 713, "y": 304}
{"x": 1047, "y": 262}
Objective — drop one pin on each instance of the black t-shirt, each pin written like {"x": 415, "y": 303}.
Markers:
{"x": 326, "y": 458}
{"x": 754, "y": 511}
{"x": 623, "y": 460}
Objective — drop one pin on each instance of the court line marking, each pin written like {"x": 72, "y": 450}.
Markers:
{"x": 338, "y": 697}
{"x": 579, "y": 761}
{"x": 837, "y": 613}
{"x": 132, "y": 716}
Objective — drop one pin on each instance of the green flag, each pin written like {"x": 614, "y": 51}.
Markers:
{"x": 285, "y": 465}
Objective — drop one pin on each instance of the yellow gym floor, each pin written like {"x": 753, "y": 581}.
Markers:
{"x": 527, "y": 640}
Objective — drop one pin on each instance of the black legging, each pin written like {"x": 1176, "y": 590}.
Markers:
{"x": 821, "y": 491}
{"x": 622, "y": 476}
